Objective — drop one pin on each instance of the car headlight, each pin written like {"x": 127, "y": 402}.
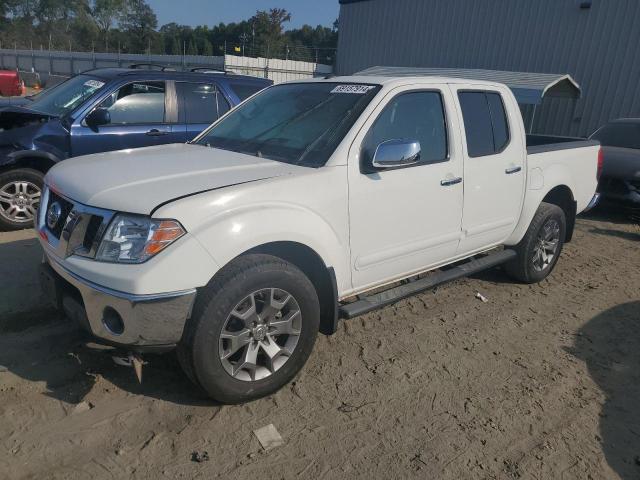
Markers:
{"x": 135, "y": 238}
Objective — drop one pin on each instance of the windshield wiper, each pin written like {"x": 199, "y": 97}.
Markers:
{"x": 326, "y": 134}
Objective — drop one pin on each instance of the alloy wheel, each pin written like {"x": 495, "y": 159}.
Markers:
{"x": 260, "y": 334}
{"x": 546, "y": 245}
{"x": 19, "y": 201}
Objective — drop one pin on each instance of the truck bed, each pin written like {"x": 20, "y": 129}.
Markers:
{"x": 549, "y": 143}
{"x": 574, "y": 157}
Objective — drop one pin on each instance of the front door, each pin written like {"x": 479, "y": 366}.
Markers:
{"x": 139, "y": 115}
{"x": 406, "y": 219}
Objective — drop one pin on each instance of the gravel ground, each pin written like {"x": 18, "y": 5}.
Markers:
{"x": 540, "y": 382}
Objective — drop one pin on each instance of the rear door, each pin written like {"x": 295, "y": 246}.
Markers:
{"x": 201, "y": 104}
{"x": 494, "y": 173}
{"x": 142, "y": 114}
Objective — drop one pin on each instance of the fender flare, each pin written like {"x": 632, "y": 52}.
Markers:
{"x": 15, "y": 157}
{"x": 553, "y": 176}
{"x": 235, "y": 231}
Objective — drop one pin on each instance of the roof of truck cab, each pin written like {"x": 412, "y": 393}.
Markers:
{"x": 397, "y": 81}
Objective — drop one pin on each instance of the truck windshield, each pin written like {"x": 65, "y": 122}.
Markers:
{"x": 299, "y": 123}
{"x": 65, "y": 97}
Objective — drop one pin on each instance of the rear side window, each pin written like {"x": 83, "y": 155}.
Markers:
{"x": 244, "y": 90}
{"x": 411, "y": 116}
{"x": 203, "y": 103}
{"x": 485, "y": 123}
{"x": 499, "y": 121}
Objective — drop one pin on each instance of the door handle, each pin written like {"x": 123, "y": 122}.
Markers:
{"x": 450, "y": 181}
{"x": 154, "y": 132}
{"x": 512, "y": 170}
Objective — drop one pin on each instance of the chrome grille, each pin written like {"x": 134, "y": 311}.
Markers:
{"x": 77, "y": 230}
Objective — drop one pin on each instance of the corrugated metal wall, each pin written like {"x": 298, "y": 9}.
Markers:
{"x": 599, "y": 47}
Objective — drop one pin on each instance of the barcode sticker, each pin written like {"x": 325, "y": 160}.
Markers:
{"x": 356, "y": 89}
{"x": 93, "y": 83}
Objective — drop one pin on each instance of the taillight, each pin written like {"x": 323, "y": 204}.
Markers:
{"x": 600, "y": 163}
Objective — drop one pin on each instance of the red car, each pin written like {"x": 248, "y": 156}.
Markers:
{"x": 10, "y": 83}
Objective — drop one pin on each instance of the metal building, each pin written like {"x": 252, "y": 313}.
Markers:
{"x": 597, "y": 42}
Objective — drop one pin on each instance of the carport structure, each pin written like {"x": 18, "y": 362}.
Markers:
{"x": 528, "y": 88}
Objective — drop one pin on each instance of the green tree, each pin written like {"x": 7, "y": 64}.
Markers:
{"x": 191, "y": 48}
{"x": 106, "y": 14}
{"x": 139, "y": 22}
{"x": 269, "y": 29}
{"x": 207, "y": 48}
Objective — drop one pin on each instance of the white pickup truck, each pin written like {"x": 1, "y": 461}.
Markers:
{"x": 311, "y": 201}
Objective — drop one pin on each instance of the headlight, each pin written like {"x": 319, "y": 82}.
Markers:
{"x": 135, "y": 238}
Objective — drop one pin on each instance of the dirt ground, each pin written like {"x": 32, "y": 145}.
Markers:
{"x": 540, "y": 382}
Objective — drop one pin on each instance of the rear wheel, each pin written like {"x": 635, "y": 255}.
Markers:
{"x": 253, "y": 328}
{"x": 539, "y": 250}
{"x": 20, "y": 192}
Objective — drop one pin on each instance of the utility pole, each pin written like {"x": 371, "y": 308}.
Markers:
{"x": 253, "y": 35}
{"x": 244, "y": 38}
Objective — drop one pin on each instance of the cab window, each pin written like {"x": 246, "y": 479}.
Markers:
{"x": 411, "y": 116}
{"x": 485, "y": 122}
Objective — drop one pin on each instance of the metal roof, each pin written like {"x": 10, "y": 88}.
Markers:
{"x": 528, "y": 88}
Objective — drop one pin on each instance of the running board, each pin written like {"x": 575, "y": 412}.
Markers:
{"x": 372, "y": 302}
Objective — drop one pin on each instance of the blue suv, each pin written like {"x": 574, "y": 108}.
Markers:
{"x": 103, "y": 110}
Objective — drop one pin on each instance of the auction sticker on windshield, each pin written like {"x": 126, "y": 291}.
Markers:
{"x": 93, "y": 83}
{"x": 357, "y": 89}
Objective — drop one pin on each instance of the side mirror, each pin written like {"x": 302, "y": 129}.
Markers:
{"x": 396, "y": 153}
{"x": 100, "y": 116}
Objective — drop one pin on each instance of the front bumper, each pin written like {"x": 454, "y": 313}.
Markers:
{"x": 139, "y": 322}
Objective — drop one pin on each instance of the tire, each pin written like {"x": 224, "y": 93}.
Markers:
{"x": 530, "y": 266}
{"x": 258, "y": 280}
{"x": 20, "y": 193}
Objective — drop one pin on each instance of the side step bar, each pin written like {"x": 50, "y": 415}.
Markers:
{"x": 372, "y": 302}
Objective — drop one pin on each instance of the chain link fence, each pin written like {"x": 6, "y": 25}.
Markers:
{"x": 47, "y": 67}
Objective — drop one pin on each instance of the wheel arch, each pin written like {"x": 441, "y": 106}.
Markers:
{"x": 39, "y": 161}
{"x": 563, "y": 197}
{"x": 559, "y": 194}
{"x": 313, "y": 266}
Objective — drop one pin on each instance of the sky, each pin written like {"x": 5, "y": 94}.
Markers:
{"x": 212, "y": 12}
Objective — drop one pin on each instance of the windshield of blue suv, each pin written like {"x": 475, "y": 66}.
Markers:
{"x": 300, "y": 123}
{"x": 65, "y": 97}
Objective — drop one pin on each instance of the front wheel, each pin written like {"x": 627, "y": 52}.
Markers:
{"x": 539, "y": 250}
{"x": 252, "y": 330}
{"x": 20, "y": 192}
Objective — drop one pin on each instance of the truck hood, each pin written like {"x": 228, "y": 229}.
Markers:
{"x": 139, "y": 180}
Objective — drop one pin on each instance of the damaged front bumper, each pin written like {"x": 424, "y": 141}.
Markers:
{"x": 137, "y": 322}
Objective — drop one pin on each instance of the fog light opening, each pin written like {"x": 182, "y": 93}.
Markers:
{"x": 112, "y": 321}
